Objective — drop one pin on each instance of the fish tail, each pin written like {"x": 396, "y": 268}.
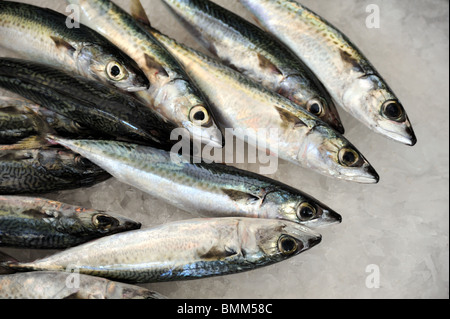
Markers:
{"x": 6, "y": 263}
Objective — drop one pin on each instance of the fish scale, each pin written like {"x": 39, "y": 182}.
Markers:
{"x": 44, "y": 171}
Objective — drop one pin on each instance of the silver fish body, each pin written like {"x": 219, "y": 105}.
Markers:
{"x": 212, "y": 190}
{"x": 42, "y": 35}
{"x": 61, "y": 285}
{"x": 37, "y": 223}
{"x": 245, "y": 106}
{"x": 189, "y": 249}
{"x": 346, "y": 73}
{"x": 171, "y": 91}
{"x": 254, "y": 52}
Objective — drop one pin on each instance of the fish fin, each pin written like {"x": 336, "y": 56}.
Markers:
{"x": 138, "y": 12}
{"x": 5, "y": 262}
{"x": 32, "y": 142}
{"x": 61, "y": 43}
{"x": 268, "y": 65}
{"x": 346, "y": 57}
{"x": 152, "y": 64}
{"x": 288, "y": 117}
{"x": 239, "y": 196}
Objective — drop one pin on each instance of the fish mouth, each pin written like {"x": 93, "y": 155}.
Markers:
{"x": 134, "y": 89}
{"x": 314, "y": 241}
{"x": 328, "y": 218}
{"x": 367, "y": 176}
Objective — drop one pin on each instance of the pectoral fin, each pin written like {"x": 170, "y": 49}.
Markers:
{"x": 154, "y": 65}
{"x": 288, "y": 117}
{"x": 241, "y": 197}
{"x": 268, "y": 65}
{"x": 61, "y": 43}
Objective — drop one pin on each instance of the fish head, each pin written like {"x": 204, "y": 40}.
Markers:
{"x": 326, "y": 151}
{"x": 100, "y": 222}
{"x": 303, "y": 209}
{"x": 316, "y": 101}
{"x": 374, "y": 103}
{"x": 275, "y": 240}
{"x": 109, "y": 65}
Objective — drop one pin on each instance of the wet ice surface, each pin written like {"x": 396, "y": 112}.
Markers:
{"x": 400, "y": 225}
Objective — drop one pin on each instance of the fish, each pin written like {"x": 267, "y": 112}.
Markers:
{"x": 182, "y": 250}
{"x": 90, "y": 103}
{"x": 45, "y": 170}
{"x": 60, "y": 285}
{"x": 209, "y": 190}
{"x": 17, "y": 121}
{"x": 42, "y": 35}
{"x": 352, "y": 81}
{"x": 172, "y": 93}
{"x": 22, "y": 120}
{"x": 257, "y": 54}
{"x": 38, "y": 223}
{"x": 244, "y": 107}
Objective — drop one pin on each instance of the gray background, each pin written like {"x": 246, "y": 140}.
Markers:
{"x": 401, "y": 225}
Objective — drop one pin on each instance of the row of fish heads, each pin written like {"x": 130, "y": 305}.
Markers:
{"x": 236, "y": 100}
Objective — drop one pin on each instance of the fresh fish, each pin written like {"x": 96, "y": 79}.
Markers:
{"x": 245, "y": 106}
{"x": 346, "y": 73}
{"x": 211, "y": 190}
{"x": 21, "y": 120}
{"x": 189, "y": 249}
{"x": 248, "y": 49}
{"x": 17, "y": 121}
{"x": 90, "y": 103}
{"x": 42, "y": 35}
{"x": 46, "y": 170}
{"x": 60, "y": 285}
{"x": 27, "y": 222}
{"x": 171, "y": 92}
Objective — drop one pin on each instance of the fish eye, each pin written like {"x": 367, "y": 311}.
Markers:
{"x": 287, "y": 245}
{"x": 306, "y": 212}
{"x": 200, "y": 116}
{"x": 393, "y": 111}
{"x": 82, "y": 161}
{"x": 348, "y": 157}
{"x": 115, "y": 71}
{"x": 315, "y": 107}
{"x": 104, "y": 222}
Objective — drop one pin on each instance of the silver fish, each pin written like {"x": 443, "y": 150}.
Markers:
{"x": 41, "y": 35}
{"x": 189, "y": 249}
{"x": 212, "y": 190}
{"x": 171, "y": 92}
{"x": 245, "y": 106}
{"x": 347, "y": 74}
{"x": 256, "y": 53}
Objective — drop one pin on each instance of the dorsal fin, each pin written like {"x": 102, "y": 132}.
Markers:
{"x": 138, "y": 12}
